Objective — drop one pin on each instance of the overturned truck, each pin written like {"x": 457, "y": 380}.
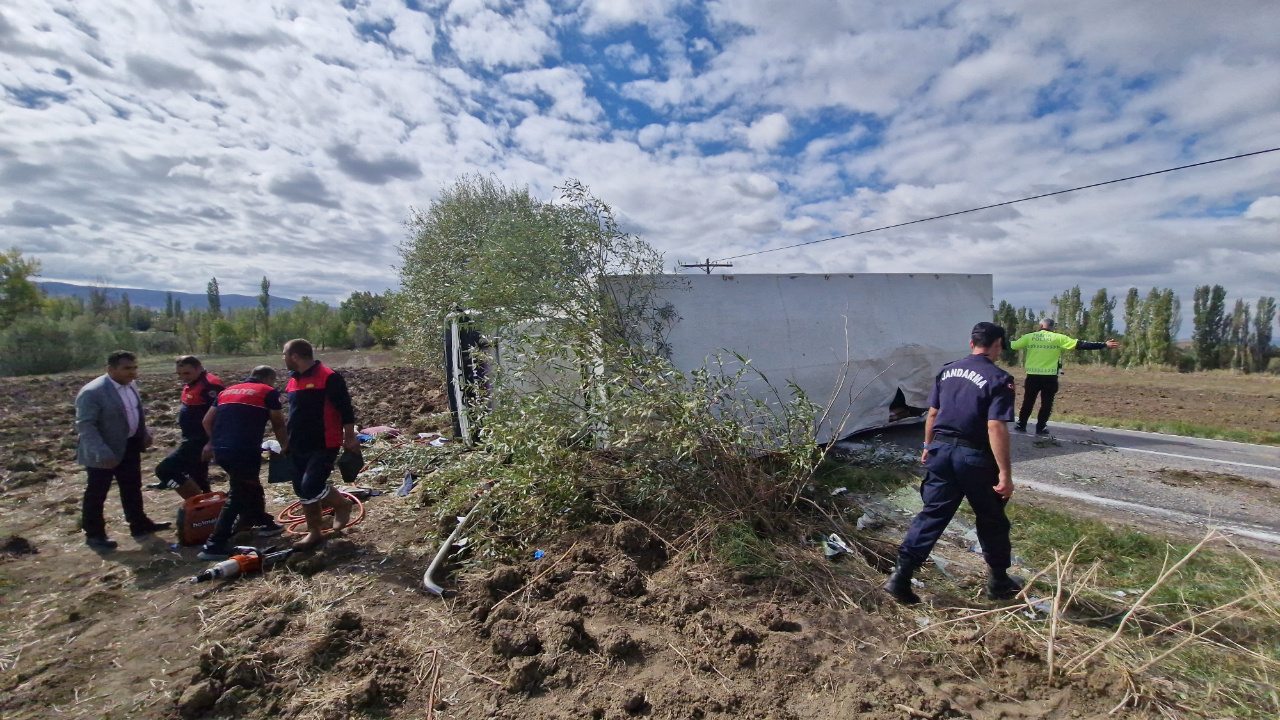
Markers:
{"x": 865, "y": 346}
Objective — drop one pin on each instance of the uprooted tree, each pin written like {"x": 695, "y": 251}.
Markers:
{"x": 585, "y": 417}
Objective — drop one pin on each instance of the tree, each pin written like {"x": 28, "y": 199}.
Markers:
{"x": 383, "y": 333}
{"x": 363, "y": 307}
{"x": 1208, "y": 321}
{"x": 99, "y": 304}
{"x": 264, "y": 309}
{"x": 1135, "y": 332}
{"x": 213, "y": 298}
{"x": 1162, "y": 312}
{"x": 19, "y": 296}
{"x": 1240, "y": 338}
{"x": 141, "y": 319}
{"x": 1101, "y": 322}
{"x": 1006, "y": 316}
{"x": 177, "y": 309}
{"x": 168, "y": 304}
{"x": 126, "y": 311}
{"x": 226, "y": 337}
{"x": 1264, "y": 319}
{"x": 483, "y": 246}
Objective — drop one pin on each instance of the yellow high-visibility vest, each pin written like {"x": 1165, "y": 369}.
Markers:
{"x": 1044, "y": 348}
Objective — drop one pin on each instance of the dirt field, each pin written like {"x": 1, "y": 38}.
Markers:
{"x": 1211, "y": 399}
{"x": 605, "y": 625}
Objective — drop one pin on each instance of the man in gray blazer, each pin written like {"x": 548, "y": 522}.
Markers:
{"x": 113, "y": 433}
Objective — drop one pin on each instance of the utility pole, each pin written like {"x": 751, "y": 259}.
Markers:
{"x": 706, "y": 266}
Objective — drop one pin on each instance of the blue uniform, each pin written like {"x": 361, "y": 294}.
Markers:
{"x": 960, "y": 464}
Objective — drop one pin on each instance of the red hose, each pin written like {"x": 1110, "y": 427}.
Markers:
{"x": 291, "y": 518}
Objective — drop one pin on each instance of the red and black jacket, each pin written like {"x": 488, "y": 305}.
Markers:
{"x": 319, "y": 405}
{"x": 243, "y": 412}
{"x": 197, "y": 398}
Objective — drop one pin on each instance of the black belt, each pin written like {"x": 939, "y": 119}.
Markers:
{"x": 953, "y": 440}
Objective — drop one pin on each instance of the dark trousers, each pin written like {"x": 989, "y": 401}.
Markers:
{"x": 954, "y": 473}
{"x": 312, "y": 481}
{"x": 246, "y": 500}
{"x": 185, "y": 463}
{"x": 128, "y": 478}
{"x": 1046, "y": 386}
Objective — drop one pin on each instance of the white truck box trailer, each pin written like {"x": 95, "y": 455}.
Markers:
{"x": 865, "y": 346}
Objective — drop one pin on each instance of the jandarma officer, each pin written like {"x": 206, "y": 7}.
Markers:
{"x": 966, "y": 456}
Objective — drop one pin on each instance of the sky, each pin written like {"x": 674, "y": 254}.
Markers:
{"x": 157, "y": 144}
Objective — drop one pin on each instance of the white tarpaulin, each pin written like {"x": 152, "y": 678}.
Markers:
{"x": 851, "y": 341}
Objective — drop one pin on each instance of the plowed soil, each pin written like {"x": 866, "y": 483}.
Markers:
{"x": 603, "y": 625}
{"x": 1215, "y": 399}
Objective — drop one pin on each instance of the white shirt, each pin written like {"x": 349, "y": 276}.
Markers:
{"x": 132, "y": 403}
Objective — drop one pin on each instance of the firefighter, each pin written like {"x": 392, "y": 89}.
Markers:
{"x": 185, "y": 470}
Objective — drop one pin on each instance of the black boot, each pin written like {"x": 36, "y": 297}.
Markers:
{"x": 1003, "y": 586}
{"x": 899, "y": 585}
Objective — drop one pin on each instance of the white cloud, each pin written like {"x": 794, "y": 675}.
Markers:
{"x": 135, "y": 133}
{"x": 1265, "y": 209}
{"x": 768, "y": 131}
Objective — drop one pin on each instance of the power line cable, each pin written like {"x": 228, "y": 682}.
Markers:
{"x": 1002, "y": 204}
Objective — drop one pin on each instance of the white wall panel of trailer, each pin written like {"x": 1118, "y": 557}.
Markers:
{"x": 849, "y": 341}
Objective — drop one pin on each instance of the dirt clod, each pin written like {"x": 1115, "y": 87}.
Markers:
{"x": 772, "y": 618}
{"x": 635, "y": 704}
{"x": 525, "y": 674}
{"x": 347, "y": 620}
{"x": 504, "y": 581}
{"x": 618, "y": 643}
{"x": 508, "y": 638}
{"x": 198, "y": 697}
{"x": 18, "y": 545}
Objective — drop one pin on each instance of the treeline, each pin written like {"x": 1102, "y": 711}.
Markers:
{"x": 40, "y": 334}
{"x": 1239, "y": 340}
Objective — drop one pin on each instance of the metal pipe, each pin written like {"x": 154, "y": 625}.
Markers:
{"x": 427, "y": 582}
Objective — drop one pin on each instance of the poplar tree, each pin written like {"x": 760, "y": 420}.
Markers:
{"x": 1264, "y": 320}
{"x": 1240, "y": 339}
{"x": 126, "y": 310}
{"x": 264, "y": 309}
{"x": 1208, "y": 317}
{"x": 213, "y": 298}
{"x": 1135, "y": 333}
{"x": 168, "y": 304}
{"x": 1006, "y": 316}
{"x": 1101, "y": 321}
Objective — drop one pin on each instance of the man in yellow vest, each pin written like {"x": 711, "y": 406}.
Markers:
{"x": 1044, "y": 352}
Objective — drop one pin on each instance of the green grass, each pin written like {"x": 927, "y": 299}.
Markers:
{"x": 832, "y": 474}
{"x": 1131, "y": 560}
{"x": 1212, "y": 681}
{"x": 737, "y": 545}
{"x": 1175, "y": 427}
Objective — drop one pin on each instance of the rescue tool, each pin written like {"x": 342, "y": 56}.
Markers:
{"x": 245, "y": 560}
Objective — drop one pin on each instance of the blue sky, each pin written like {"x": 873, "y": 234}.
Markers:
{"x": 156, "y": 144}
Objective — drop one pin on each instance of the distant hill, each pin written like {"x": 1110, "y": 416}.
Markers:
{"x": 155, "y": 299}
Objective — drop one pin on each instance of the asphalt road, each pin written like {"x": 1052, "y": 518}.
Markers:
{"x": 1168, "y": 478}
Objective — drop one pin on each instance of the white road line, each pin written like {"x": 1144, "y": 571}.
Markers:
{"x": 1194, "y": 457}
{"x": 1140, "y": 509}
